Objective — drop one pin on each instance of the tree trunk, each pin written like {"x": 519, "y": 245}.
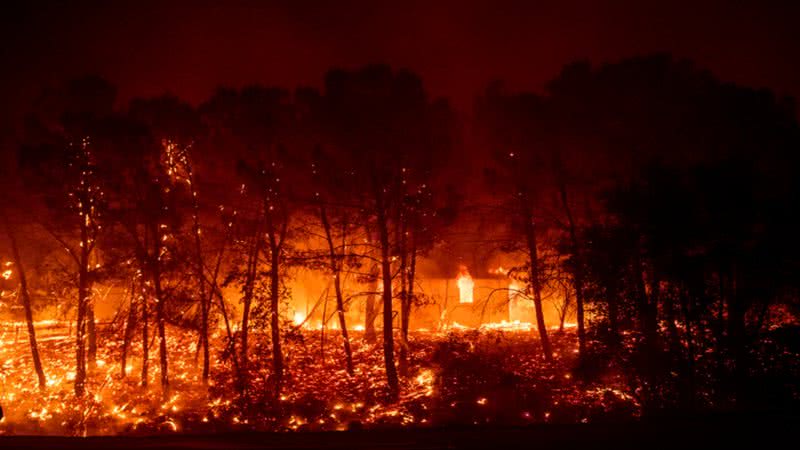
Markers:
{"x": 24, "y": 295}
{"x": 386, "y": 269}
{"x": 647, "y": 326}
{"x": 250, "y": 278}
{"x": 563, "y": 313}
{"x": 80, "y": 326}
{"x": 369, "y": 311}
{"x": 91, "y": 331}
{"x": 404, "y": 300}
{"x": 160, "y": 314}
{"x": 205, "y": 300}
{"x": 409, "y": 303}
{"x": 336, "y": 270}
{"x": 577, "y": 272}
{"x": 530, "y": 234}
{"x": 647, "y": 320}
{"x": 274, "y": 282}
{"x": 128, "y": 333}
{"x": 145, "y": 337}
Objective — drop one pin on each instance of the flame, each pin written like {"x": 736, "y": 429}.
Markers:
{"x": 7, "y": 274}
{"x": 465, "y": 285}
{"x": 513, "y": 325}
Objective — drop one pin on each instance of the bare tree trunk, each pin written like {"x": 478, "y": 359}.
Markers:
{"x": 336, "y": 270}
{"x": 577, "y": 272}
{"x": 369, "y": 311}
{"x": 162, "y": 337}
{"x": 563, "y": 313}
{"x": 647, "y": 327}
{"x": 323, "y": 324}
{"x": 205, "y": 300}
{"x": 24, "y": 295}
{"x": 386, "y": 269}
{"x": 408, "y": 303}
{"x": 647, "y": 306}
{"x": 91, "y": 331}
{"x": 404, "y": 305}
{"x": 250, "y": 278}
{"x": 128, "y": 333}
{"x": 80, "y": 326}
{"x": 160, "y": 314}
{"x": 274, "y": 275}
{"x": 536, "y": 285}
{"x": 145, "y": 337}
{"x": 443, "y": 315}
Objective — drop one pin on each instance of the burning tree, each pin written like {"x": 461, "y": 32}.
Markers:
{"x": 60, "y": 164}
{"x": 255, "y": 124}
{"x": 520, "y": 174}
{"x": 385, "y": 123}
{"x": 174, "y": 127}
{"x": 16, "y": 267}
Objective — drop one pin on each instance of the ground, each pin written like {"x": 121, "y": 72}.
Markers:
{"x": 455, "y": 378}
{"x": 706, "y": 433}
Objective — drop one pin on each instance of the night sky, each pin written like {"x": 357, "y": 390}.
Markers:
{"x": 148, "y": 48}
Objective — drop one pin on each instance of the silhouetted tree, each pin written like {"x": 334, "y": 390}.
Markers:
{"x": 59, "y": 164}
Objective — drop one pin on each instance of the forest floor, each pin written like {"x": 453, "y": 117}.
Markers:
{"x": 456, "y": 381}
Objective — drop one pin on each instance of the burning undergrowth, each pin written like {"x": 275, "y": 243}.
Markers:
{"x": 458, "y": 377}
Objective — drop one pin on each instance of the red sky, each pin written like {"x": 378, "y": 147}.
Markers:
{"x": 147, "y": 48}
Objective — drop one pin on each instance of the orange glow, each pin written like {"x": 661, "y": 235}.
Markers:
{"x": 465, "y": 285}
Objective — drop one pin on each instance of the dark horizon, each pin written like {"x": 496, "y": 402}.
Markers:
{"x": 189, "y": 48}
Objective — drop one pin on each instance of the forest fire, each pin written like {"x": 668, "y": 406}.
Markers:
{"x": 465, "y": 285}
{"x": 113, "y": 405}
{"x": 354, "y": 251}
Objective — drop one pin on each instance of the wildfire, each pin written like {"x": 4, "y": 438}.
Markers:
{"x": 113, "y": 405}
{"x": 465, "y": 285}
{"x": 514, "y": 325}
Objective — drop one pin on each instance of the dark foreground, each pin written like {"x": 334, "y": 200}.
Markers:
{"x": 705, "y": 433}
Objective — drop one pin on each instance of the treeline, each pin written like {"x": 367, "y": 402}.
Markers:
{"x": 662, "y": 198}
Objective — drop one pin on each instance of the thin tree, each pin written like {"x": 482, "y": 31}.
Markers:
{"x": 24, "y": 296}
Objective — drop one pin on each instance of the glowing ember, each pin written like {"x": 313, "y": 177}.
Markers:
{"x": 113, "y": 405}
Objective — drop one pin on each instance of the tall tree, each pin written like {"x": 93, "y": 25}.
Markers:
{"x": 59, "y": 163}
{"x": 24, "y": 295}
{"x": 520, "y": 176}
{"x": 384, "y": 121}
{"x": 255, "y": 124}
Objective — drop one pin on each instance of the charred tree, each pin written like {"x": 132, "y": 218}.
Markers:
{"x": 370, "y": 313}
{"x": 577, "y": 264}
{"x": 535, "y": 280}
{"x": 24, "y": 295}
{"x": 335, "y": 267}
{"x": 386, "y": 273}
{"x": 130, "y": 327}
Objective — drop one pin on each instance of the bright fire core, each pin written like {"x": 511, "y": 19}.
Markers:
{"x": 465, "y": 286}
